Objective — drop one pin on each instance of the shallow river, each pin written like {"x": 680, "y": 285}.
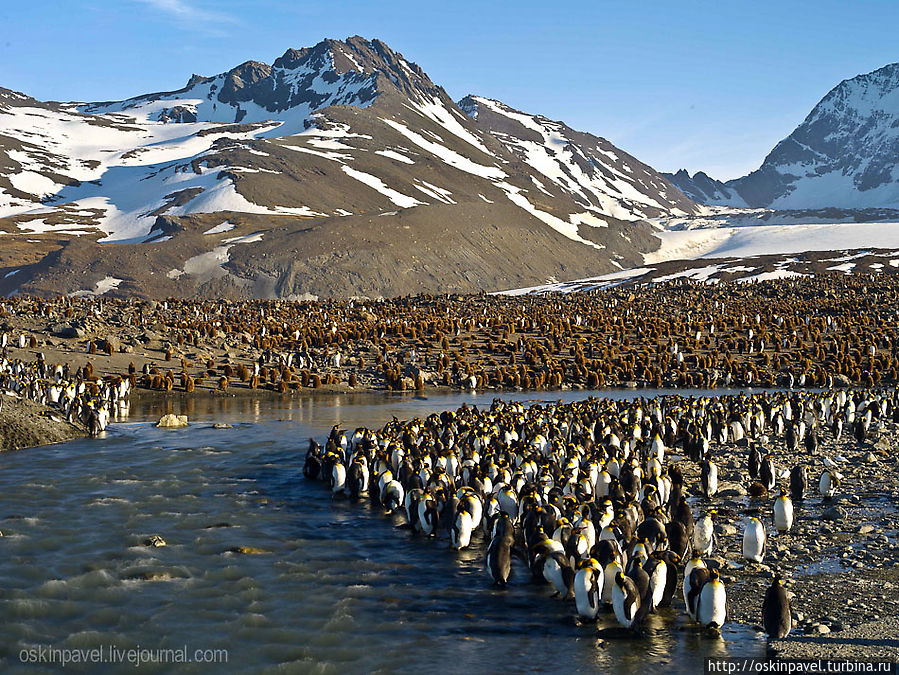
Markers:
{"x": 339, "y": 589}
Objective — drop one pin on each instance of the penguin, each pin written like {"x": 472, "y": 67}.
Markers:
{"x": 766, "y": 472}
{"x": 588, "y": 583}
{"x": 657, "y": 571}
{"x": 626, "y": 601}
{"x": 709, "y": 477}
{"x": 684, "y": 515}
{"x": 754, "y": 540}
{"x": 704, "y": 535}
{"x": 611, "y": 570}
{"x": 640, "y": 579}
{"x": 777, "y": 618}
{"x": 460, "y": 535}
{"x": 393, "y": 496}
{"x": 755, "y": 459}
{"x": 338, "y": 477}
{"x": 798, "y": 483}
{"x": 830, "y": 481}
{"x": 783, "y": 513}
{"x": 695, "y": 581}
{"x": 678, "y": 540}
{"x": 427, "y": 515}
{"x": 693, "y": 563}
{"x": 711, "y": 610}
{"x": 499, "y": 559}
{"x": 557, "y": 571}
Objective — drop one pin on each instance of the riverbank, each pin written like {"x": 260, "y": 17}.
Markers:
{"x": 26, "y": 424}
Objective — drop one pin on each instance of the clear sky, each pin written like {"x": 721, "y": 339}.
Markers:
{"x": 700, "y": 85}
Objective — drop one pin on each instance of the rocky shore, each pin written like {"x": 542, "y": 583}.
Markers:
{"x": 26, "y": 424}
{"x": 840, "y": 561}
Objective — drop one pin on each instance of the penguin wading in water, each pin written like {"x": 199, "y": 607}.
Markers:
{"x": 626, "y": 601}
{"x": 588, "y": 582}
{"x": 711, "y": 610}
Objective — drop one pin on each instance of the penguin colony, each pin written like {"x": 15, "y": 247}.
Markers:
{"x": 587, "y": 496}
{"x": 809, "y": 332}
{"x": 79, "y": 397}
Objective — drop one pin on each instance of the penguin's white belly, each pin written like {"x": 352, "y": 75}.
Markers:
{"x": 625, "y": 609}
{"x": 712, "y": 608}
{"x": 783, "y": 515}
{"x": 587, "y": 583}
{"x": 754, "y": 542}
{"x": 608, "y": 582}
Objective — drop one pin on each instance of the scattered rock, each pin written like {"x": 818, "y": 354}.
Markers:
{"x": 65, "y": 330}
{"x": 834, "y": 513}
{"x": 155, "y": 541}
{"x": 866, "y": 529}
{"x": 821, "y": 629}
{"x": 222, "y": 425}
{"x": 172, "y": 421}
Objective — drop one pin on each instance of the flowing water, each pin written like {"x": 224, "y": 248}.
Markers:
{"x": 334, "y": 586}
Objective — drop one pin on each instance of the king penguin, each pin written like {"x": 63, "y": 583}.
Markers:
{"x": 776, "y": 614}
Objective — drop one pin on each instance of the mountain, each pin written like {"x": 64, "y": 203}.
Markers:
{"x": 845, "y": 154}
{"x": 703, "y": 189}
{"x": 338, "y": 170}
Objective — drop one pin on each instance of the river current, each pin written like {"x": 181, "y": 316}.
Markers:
{"x": 331, "y": 586}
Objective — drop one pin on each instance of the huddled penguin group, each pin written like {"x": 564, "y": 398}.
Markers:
{"x": 586, "y": 494}
{"x": 80, "y": 397}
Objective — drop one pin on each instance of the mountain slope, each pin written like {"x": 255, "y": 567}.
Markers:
{"x": 284, "y": 180}
{"x": 845, "y": 154}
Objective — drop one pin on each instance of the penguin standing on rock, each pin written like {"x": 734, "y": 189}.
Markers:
{"x": 798, "y": 483}
{"x": 783, "y": 513}
{"x": 830, "y": 481}
{"x": 709, "y": 477}
{"x": 777, "y": 617}
{"x": 754, "y": 540}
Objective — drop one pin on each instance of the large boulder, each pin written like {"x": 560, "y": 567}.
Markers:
{"x": 171, "y": 421}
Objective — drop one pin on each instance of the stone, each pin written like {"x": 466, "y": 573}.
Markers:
{"x": 725, "y": 530}
{"x": 155, "y": 541}
{"x": 732, "y": 492}
{"x": 171, "y": 421}
{"x": 870, "y": 458}
{"x": 222, "y": 425}
{"x": 834, "y": 513}
{"x": 866, "y": 529}
{"x": 65, "y": 330}
{"x": 248, "y": 550}
{"x": 821, "y": 629}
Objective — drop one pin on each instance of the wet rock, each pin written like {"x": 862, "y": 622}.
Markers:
{"x": 155, "y": 541}
{"x": 866, "y": 529}
{"x": 248, "y": 550}
{"x": 821, "y": 629}
{"x": 725, "y": 530}
{"x": 834, "y": 513}
{"x": 172, "y": 421}
{"x": 222, "y": 425}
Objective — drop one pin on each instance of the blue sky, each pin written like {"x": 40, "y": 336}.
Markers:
{"x": 701, "y": 85}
